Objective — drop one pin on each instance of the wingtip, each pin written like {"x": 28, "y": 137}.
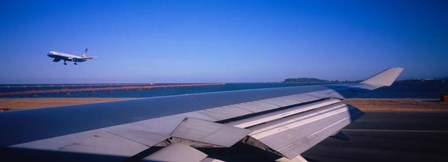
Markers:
{"x": 384, "y": 78}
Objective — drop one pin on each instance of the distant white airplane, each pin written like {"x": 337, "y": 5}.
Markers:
{"x": 58, "y": 56}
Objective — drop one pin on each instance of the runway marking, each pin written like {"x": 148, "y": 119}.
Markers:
{"x": 401, "y": 131}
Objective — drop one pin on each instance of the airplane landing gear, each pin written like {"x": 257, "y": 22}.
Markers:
{"x": 76, "y": 63}
{"x": 65, "y": 63}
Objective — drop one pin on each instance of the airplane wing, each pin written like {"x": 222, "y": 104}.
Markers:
{"x": 56, "y": 59}
{"x": 283, "y": 121}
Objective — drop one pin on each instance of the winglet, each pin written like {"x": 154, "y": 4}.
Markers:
{"x": 385, "y": 78}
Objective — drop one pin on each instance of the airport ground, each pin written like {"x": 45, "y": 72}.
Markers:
{"x": 391, "y": 130}
{"x": 389, "y": 136}
{"x": 365, "y": 104}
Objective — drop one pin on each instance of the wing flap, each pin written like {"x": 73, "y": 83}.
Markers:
{"x": 177, "y": 152}
{"x": 290, "y": 136}
{"x": 209, "y": 132}
{"x": 106, "y": 144}
{"x": 249, "y": 122}
{"x": 138, "y": 134}
{"x": 247, "y": 108}
{"x": 92, "y": 142}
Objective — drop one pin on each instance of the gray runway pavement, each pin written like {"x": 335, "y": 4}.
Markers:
{"x": 388, "y": 137}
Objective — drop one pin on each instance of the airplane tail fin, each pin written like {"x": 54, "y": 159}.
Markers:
{"x": 384, "y": 78}
{"x": 85, "y": 53}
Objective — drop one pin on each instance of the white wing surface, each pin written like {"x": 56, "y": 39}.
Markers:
{"x": 283, "y": 121}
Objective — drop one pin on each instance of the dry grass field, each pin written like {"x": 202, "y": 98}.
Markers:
{"x": 31, "y": 103}
{"x": 399, "y": 105}
{"x": 367, "y": 105}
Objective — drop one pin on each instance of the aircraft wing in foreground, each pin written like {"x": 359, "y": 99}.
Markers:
{"x": 283, "y": 121}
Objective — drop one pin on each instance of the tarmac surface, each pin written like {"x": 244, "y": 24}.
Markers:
{"x": 403, "y": 136}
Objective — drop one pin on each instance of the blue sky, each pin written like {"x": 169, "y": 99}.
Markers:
{"x": 221, "y": 40}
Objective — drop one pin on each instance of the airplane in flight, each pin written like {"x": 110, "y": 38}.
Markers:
{"x": 58, "y": 56}
{"x": 282, "y": 122}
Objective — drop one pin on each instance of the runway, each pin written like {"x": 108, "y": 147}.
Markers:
{"x": 388, "y": 137}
